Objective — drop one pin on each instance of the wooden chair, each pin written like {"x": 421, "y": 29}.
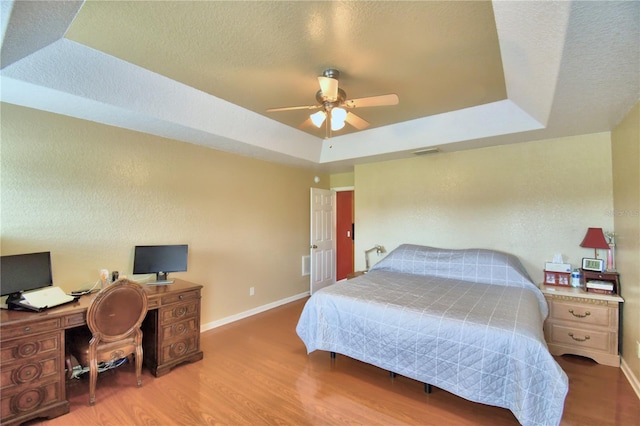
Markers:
{"x": 114, "y": 318}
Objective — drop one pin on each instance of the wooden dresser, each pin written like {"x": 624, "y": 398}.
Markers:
{"x": 582, "y": 323}
{"x": 32, "y": 353}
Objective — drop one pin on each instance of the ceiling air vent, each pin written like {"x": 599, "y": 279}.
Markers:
{"x": 426, "y": 151}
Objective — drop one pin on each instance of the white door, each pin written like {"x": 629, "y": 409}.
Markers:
{"x": 323, "y": 243}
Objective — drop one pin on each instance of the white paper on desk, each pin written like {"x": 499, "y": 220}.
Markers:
{"x": 50, "y": 296}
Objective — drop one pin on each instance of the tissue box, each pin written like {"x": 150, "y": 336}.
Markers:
{"x": 557, "y": 267}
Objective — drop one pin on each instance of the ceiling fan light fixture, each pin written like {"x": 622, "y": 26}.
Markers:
{"x": 333, "y": 106}
{"x": 338, "y": 117}
{"x": 318, "y": 118}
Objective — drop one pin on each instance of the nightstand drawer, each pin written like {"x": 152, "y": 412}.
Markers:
{"x": 578, "y": 337}
{"x": 581, "y": 313}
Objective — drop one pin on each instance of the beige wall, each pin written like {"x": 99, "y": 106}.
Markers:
{"x": 626, "y": 200}
{"x": 531, "y": 199}
{"x": 89, "y": 193}
{"x": 341, "y": 180}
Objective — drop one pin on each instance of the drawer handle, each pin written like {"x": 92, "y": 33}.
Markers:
{"x": 586, "y": 314}
{"x": 577, "y": 339}
{"x": 181, "y": 297}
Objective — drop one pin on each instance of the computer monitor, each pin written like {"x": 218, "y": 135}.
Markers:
{"x": 23, "y": 272}
{"x": 160, "y": 260}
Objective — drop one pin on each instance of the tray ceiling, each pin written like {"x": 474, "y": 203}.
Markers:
{"x": 468, "y": 74}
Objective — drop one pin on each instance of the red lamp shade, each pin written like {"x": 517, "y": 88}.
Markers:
{"x": 595, "y": 239}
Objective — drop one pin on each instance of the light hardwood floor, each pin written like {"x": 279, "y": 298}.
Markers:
{"x": 256, "y": 372}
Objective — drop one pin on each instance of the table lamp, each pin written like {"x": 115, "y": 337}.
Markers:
{"x": 378, "y": 249}
{"x": 594, "y": 239}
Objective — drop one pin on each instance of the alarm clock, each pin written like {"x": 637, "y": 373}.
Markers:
{"x": 596, "y": 265}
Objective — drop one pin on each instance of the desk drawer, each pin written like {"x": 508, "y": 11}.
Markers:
{"x": 182, "y": 297}
{"x": 178, "y": 312}
{"x": 24, "y": 401}
{"x": 76, "y": 319}
{"x": 20, "y": 349}
{"x": 153, "y": 304}
{"x": 18, "y": 374}
{"x": 30, "y": 329}
{"x": 178, "y": 349}
{"x": 181, "y": 328}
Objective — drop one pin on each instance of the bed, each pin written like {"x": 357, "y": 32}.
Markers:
{"x": 466, "y": 321}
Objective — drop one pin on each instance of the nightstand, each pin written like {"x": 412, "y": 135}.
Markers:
{"x": 582, "y": 323}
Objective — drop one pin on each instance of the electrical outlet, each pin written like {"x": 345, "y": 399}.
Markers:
{"x": 638, "y": 348}
{"x": 252, "y": 291}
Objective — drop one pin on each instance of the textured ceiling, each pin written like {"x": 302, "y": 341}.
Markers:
{"x": 468, "y": 74}
{"x": 268, "y": 54}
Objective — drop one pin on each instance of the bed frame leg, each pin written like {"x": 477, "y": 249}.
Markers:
{"x": 392, "y": 374}
{"x": 333, "y": 355}
{"x": 427, "y": 388}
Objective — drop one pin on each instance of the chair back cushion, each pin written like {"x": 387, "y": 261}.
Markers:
{"x": 117, "y": 311}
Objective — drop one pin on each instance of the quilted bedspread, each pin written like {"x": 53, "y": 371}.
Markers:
{"x": 473, "y": 327}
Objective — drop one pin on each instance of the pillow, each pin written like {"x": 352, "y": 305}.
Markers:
{"x": 475, "y": 265}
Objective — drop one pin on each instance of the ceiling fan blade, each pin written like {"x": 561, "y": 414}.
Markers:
{"x": 307, "y": 124}
{"x": 329, "y": 88}
{"x": 293, "y": 108}
{"x": 372, "y": 101}
{"x": 356, "y": 121}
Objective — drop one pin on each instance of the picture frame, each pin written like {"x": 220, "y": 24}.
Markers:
{"x": 590, "y": 264}
{"x": 557, "y": 278}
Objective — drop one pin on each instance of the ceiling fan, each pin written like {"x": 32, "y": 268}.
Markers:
{"x": 334, "y": 106}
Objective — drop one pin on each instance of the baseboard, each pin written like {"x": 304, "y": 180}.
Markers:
{"x": 251, "y": 312}
{"x": 633, "y": 380}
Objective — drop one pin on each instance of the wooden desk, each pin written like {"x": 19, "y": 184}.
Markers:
{"x": 32, "y": 348}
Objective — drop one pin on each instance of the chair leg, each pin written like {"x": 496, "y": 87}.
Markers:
{"x": 139, "y": 364}
{"x": 69, "y": 366}
{"x": 93, "y": 377}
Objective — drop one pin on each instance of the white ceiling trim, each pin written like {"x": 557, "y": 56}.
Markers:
{"x": 494, "y": 119}
{"x": 111, "y": 91}
{"x": 19, "y": 19}
{"x": 531, "y": 57}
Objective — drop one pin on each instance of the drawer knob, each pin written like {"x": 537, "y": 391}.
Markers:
{"x": 181, "y": 297}
{"x": 586, "y": 314}
{"x": 577, "y": 339}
